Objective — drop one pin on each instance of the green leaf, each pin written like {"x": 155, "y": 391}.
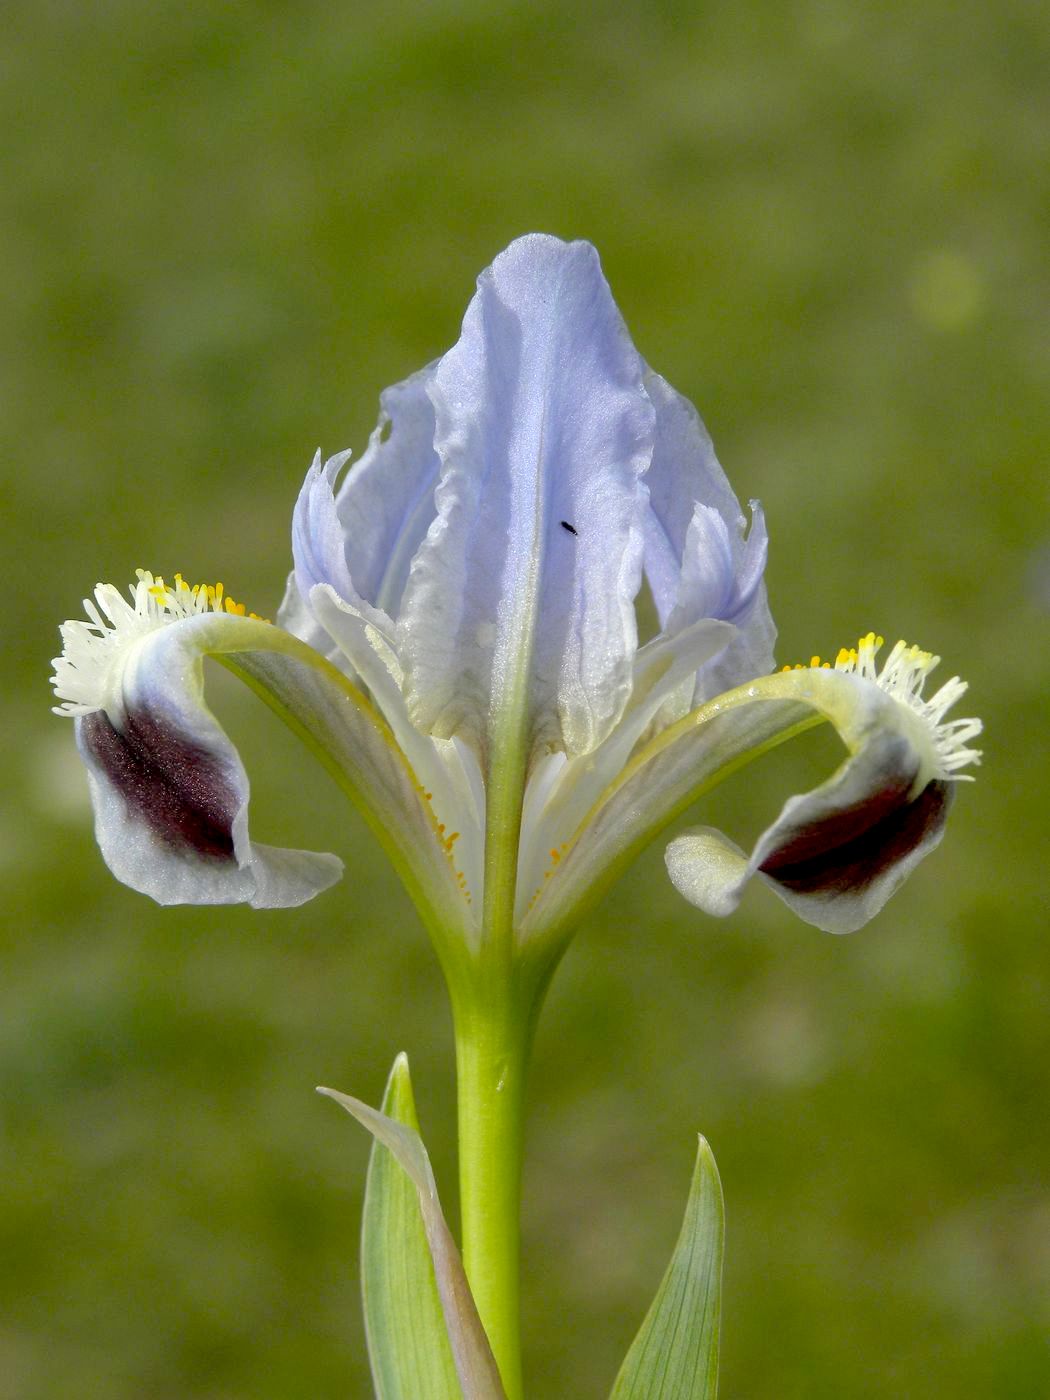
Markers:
{"x": 409, "y": 1256}
{"x": 675, "y": 1354}
{"x": 407, "y": 1342}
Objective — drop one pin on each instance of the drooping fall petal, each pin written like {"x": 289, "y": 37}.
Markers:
{"x": 835, "y": 854}
{"x": 170, "y": 792}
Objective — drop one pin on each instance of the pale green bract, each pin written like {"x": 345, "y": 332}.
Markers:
{"x": 471, "y": 1355}
{"x": 408, "y": 1344}
{"x": 675, "y": 1354}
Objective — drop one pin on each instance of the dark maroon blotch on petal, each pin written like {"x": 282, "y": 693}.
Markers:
{"x": 853, "y": 848}
{"x": 174, "y": 786}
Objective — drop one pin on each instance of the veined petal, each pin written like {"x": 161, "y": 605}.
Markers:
{"x": 171, "y": 817}
{"x": 386, "y": 502}
{"x": 296, "y": 617}
{"x": 684, "y": 473}
{"x": 318, "y": 545}
{"x": 561, "y": 791}
{"x": 835, "y": 854}
{"x": 169, "y": 789}
{"x": 359, "y": 639}
{"x": 722, "y": 576}
{"x": 359, "y": 537}
{"x": 355, "y": 743}
{"x": 518, "y": 614}
{"x": 446, "y": 769}
{"x": 698, "y": 561}
{"x": 670, "y": 773}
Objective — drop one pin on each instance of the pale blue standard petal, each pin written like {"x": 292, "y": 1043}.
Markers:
{"x": 684, "y": 473}
{"x": 386, "y": 502}
{"x": 517, "y": 623}
{"x": 359, "y": 537}
{"x": 297, "y": 617}
{"x": 722, "y": 577}
{"x": 698, "y": 562}
{"x": 318, "y": 542}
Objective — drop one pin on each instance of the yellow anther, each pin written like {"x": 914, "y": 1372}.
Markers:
{"x": 179, "y": 599}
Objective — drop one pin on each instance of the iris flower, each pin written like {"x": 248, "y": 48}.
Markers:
{"x": 460, "y": 646}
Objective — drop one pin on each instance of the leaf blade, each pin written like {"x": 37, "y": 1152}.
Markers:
{"x": 408, "y": 1345}
{"x": 475, "y": 1365}
{"x": 675, "y": 1354}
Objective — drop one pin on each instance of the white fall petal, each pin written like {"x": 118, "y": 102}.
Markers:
{"x": 463, "y": 605}
{"x": 169, "y": 791}
{"x": 836, "y": 854}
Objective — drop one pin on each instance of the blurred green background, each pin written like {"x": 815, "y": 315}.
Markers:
{"x": 225, "y": 227}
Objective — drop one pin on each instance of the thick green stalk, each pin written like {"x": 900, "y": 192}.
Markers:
{"x": 493, "y": 1036}
{"x": 494, "y": 1015}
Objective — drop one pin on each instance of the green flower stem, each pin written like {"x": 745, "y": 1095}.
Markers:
{"x": 493, "y": 1041}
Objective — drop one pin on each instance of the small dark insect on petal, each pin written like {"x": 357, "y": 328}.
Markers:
{"x": 571, "y": 528}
